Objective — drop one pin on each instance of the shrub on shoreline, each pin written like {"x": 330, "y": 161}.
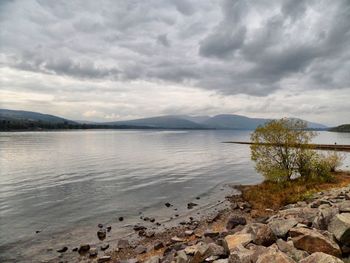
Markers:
{"x": 282, "y": 152}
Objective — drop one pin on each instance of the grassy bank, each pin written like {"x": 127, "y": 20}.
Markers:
{"x": 270, "y": 195}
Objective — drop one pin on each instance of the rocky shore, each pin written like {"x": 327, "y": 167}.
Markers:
{"x": 315, "y": 230}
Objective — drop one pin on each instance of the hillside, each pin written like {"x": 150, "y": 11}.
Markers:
{"x": 341, "y": 128}
{"x": 27, "y": 120}
{"x": 227, "y": 121}
{"x": 166, "y": 122}
{"x": 29, "y": 116}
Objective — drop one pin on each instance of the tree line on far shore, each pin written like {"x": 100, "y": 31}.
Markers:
{"x": 21, "y": 125}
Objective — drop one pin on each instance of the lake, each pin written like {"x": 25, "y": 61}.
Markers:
{"x": 64, "y": 182}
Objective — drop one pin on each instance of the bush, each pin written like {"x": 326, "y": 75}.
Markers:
{"x": 282, "y": 152}
{"x": 280, "y": 149}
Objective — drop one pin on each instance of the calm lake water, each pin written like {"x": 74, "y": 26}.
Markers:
{"x": 58, "y": 181}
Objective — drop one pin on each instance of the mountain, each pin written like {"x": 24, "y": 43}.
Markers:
{"x": 231, "y": 121}
{"x": 341, "y": 128}
{"x": 197, "y": 119}
{"x": 13, "y": 120}
{"x": 312, "y": 125}
{"x": 166, "y": 122}
{"x": 29, "y": 116}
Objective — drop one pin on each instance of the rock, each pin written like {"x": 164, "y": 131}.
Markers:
{"x": 191, "y": 205}
{"x": 216, "y": 250}
{"x": 130, "y": 260}
{"x": 232, "y": 241}
{"x": 140, "y": 249}
{"x": 244, "y": 205}
{"x": 75, "y": 249}
{"x": 280, "y": 227}
{"x": 93, "y": 252}
{"x": 312, "y": 241}
{"x": 158, "y": 245}
{"x": 261, "y": 234}
{"x": 340, "y": 227}
{"x": 101, "y": 234}
{"x": 344, "y": 207}
{"x": 123, "y": 243}
{"x": 168, "y": 204}
{"x": 189, "y": 232}
{"x": 262, "y": 219}
{"x": 100, "y": 225}
{"x": 320, "y": 257}
{"x": 108, "y": 228}
{"x": 37, "y": 231}
{"x": 104, "y": 247}
{"x": 152, "y": 219}
{"x": 235, "y": 221}
{"x": 84, "y": 248}
{"x": 325, "y": 215}
{"x": 139, "y": 228}
{"x": 121, "y": 218}
{"x": 104, "y": 259}
{"x": 211, "y": 258}
{"x": 224, "y": 260}
{"x": 150, "y": 234}
{"x": 62, "y": 250}
{"x": 201, "y": 254}
{"x": 181, "y": 257}
{"x": 176, "y": 239}
{"x": 210, "y": 233}
{"x": 290, "y": 250}
{"x": 155, "y": 259}
{"x": 272, "y": 255}
{"x": 304, "y": 215}
{"x": 241, "y": 255}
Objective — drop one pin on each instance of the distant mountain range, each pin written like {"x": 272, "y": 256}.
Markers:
{"x": 13, "y": 119}
{"x": 223, "y": 121}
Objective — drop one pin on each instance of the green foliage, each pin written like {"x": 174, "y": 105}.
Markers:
{"x": 279, "y": 147}
{"x": 282, "y": 152}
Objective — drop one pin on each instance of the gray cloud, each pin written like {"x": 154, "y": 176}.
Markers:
{"x": 163, "y": 40}
{"x": 228, "y": 48}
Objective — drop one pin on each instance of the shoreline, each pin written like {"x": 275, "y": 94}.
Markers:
{"x": 44, "y": 245}
{"x": 210, "y": 228}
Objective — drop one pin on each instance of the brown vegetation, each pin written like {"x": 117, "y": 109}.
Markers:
{"x": 272, "y": 195}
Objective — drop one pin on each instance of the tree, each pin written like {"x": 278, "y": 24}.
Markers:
{"x": 281, "y": 149}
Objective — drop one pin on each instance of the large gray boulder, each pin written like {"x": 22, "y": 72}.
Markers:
{"x": 261, "y": 234}
{"x": 304, "y": 215}
{"x": 312, "y": 241}
{"x": 290, "y": 250}
{"x": 344, "y": 207}
{"x": 280, "y": 227}
{"x": 340, "y": 227}
{"x": 324, "y": 216}
{"x": 319, "y": 257}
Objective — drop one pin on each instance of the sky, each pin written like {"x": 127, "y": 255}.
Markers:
{"x": 123, "y": 59}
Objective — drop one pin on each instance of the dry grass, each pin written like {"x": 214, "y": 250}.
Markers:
{"x": 269, "y": 195}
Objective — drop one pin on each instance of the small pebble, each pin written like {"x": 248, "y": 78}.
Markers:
{"x": 62, "y": 250}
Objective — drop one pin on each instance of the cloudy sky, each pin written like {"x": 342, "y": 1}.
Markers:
{"x": 114, "y": 60}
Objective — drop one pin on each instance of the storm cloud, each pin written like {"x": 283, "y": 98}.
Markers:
{"x": 236, "y": 56}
